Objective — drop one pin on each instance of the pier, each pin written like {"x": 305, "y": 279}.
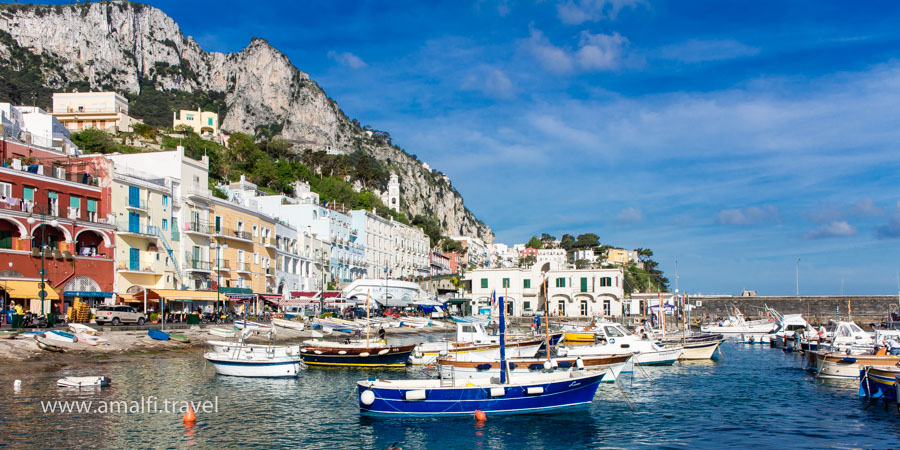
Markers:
{"x": 864, "y": 309}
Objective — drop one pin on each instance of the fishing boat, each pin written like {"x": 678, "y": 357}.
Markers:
{"x": 61, "y": 336}
{"x": 879, "y": 382}
{"x": 82, "y": 328}
{"x": 292, "y": 324}
{"x": 45, "y": 344}
{"x": 222, "y": 332}
{"x": 474, "y": 343}
{"x": 613, "y": 338}
{"x": 610, "y": 365}
{"x": 531, "y": 393}
{"x": 355, "y": 354}
{"x": 7, "y": 334}
{"x": 179, "y": 337}
{"x": 244, "y": 359}
{"x": 81, "y": 382}
{"x": 158, "y": 335}
{"x": 841, "y": 365}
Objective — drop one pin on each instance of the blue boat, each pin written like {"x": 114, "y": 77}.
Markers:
{"x": 158, "y": 334}
{"x": 529, "y": 393}
{"x": 879, "y": 382}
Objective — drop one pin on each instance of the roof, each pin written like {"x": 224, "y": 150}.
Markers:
{"x": 26, "y": 290}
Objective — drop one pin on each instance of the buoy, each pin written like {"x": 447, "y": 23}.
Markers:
{"x": 480, "y": 416}
{"x": 189, "y": 416}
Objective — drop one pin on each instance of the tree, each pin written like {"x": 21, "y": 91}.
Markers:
{"x": 527, "y": 261}
{"x": 582, "y": 263}
{"x": 534, "y": 242}
{"x": 92, "y": 140}
{"x": 587, "y": 240}
{"x": 567, "y": 241}
{"x": 548, "y": 240}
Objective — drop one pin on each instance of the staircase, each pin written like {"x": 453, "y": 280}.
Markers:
{"x": 165, "y": 243}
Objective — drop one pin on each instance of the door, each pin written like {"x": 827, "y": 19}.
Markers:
{"x": 134, "y": 259}
{"x": 134, "y": 223}
{"x": 562, "y": 307}
{"x": 584, "y": 308}
{"x": 218, "y": 224}
{"x": 5, "y": 239}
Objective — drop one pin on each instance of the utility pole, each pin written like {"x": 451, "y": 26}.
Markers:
{"x": 798, "y": 277}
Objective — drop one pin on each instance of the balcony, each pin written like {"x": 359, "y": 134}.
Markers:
{"x": 136, "y": 205}
{"x": 224, "y": 266}
{"x": 198, "y": 265}
{"x": 197, "y": 192}
{"x": 243, "y": 268}
{"x": 269, "y": 243}
{"x": 199, "y": 228}
{"x": 228, "y": 233}
{"x": 137, "y": 230}
{"x": 270, "y": 272}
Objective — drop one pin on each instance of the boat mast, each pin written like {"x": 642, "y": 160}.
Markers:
{"x": 367, "y": 318}
{"x": 546, "y": 316}
{"x": 503, "y": 366}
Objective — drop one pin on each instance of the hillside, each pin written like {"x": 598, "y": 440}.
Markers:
{"x": 140, "y": 51}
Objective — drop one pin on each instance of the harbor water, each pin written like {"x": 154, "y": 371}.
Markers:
{"x": 752, "y": 396}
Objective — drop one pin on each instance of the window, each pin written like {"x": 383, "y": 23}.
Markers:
{"x": 190, "y": 117}
{"x": 614, "y": 332}
{"x": 560, "y": 282}
{"x": 134, "y": 197}
{"x": 526, "y": 306}
{"x": 605, "y": 281}
{"x": 526, "y": 283}
{"x": 6, "y": 239}
{"x": 255, "y": 231}
{"x": 165, "y": 200}
{"x": 53, "y": 202}
{"x": 209, "y": 121}
{"x": 27, "y": 193}
{"x": 92, "y": 210}
{"x": 255, "y": 258}
{"x": 165, "y": 224}
{"x": 484, "y": 283}
{"x": 584, "y": 286}
{"x": 506, "y": 282}
{"x": 5, "y": 190}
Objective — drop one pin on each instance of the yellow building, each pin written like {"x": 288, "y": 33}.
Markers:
{"x": 202, "y": 122}
{"x": 244, "y": 254}
{"x": 101, "y": 110}
{"x": 617, "y": 256}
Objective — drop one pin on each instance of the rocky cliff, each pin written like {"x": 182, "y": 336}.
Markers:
{"x": 128, "y": 47}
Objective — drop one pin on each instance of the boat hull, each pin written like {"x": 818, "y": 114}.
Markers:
{"x": 699, "y": 351}
{"x": 663, "y": 357}
{"x": 357, "y": 357}
{"x": 228, "y": 348}
{"x": 842, "y": 366}
{"x": 426, "y": 354}
{"x": 878, "y": 382}
{"x": 157, "y": 334}
{"x": 611, "y": 366}
{"x": 269, "y": 368}
{"x": 558, "y": 394}
{"x": 288, "y": 324}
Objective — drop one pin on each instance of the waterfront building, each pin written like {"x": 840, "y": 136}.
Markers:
{"x": 639, "y": 303}
{"x": 376, "y": 235}
{"x": 440, "y": 263}
{"x": 247, "y": 261}
{"x": 571, "y": 292}
{"x": 477, "y": 251}
{"x": 148, "y": 241}
{"x": 189, "y": 203}
{"x": 101, "y": 110}
{"x": 555, "y": 257}
{"x": 412, "y": 254}
{"x": 202, "y": 122}
{"x": 55, "y": 217}
{"x": 385, "y": 292}
{"x": 29, "y": 127}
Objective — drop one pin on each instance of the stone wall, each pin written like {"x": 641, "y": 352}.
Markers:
{"x": 865, "y": 309}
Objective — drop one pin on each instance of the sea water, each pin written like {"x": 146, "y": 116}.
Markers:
{"x": 751, "y": 397}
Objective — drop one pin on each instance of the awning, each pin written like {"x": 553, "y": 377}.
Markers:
{"x": 240, "y": 296}
{"x": 459, "y": 301}
{"x": 27, "y": 289}
{"x": 271, "y": 298}
{"x": 174, "y": 295}
{"x": 88, "y": 294}
{"x": 426, "y": 302}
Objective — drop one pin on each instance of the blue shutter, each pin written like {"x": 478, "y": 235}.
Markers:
{"x": 134, "y": 197}
{"x": 134, "y": 223}
{"x": 134, "y": 259}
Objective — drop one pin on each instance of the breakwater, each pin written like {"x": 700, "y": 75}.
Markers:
{"x": 816, "y": 309}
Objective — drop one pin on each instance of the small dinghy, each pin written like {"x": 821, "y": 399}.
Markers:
{"x": 221, "y": 332}
{"x": 61, "y": 336}
{"x": 241, "y": 324}
{"x": 179, "y": 338}
{"x": 79, "y": 328}
{"x": 80, "y": 382}
{"x": 158, "y": 334}
{"x": 90, "y": 340}
{"x": 45, "y": 344}
{"x": 6, "y": 334}
{"x": 294, "y": 325}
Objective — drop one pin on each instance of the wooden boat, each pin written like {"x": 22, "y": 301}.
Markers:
{"x": 842, "y": 365}
{"x": 61, "y": 336}
{"x": 529, "y": 393}
{"x": 159, "y": 335}
{"x": 82, "y": 328}
{"x": 80, "y": 382}
{"x": 7, "y": 334}
{"x": 879, "y": 382}
{"x": 45, "y": 344}
{"x": 610, "y": 365}
{"x": 355, "y": 354}
{"x": 179, "y": 338}
{"x": 292, "y": 324}
{"x": 221, "y": 332}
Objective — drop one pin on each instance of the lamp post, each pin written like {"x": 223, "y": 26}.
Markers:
{"x": 216, "y": 248}
{"x": 54, "y": 223}
{"x": 798, "y": 277}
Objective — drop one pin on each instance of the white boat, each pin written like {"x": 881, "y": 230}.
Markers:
{"x": 613, "y": 339}
{"x": 222, "y": 332}
{"x": 242, "y": 324}
{"x": 253, "y": 364}
{"x": 609, "y": 365}
{"x": 61, "y": 336}
{"x": 474, "y": 343}
{"x": 736, "y": 325}
{"x": 258, "y": 348}
{"x": 80, "y": 382}
{"x": 292, "y": 324}
{"x": 82, "y": 328}
{"x": 91, "y": 340}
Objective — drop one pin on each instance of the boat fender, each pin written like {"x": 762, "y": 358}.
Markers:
{"x": 554, "y": 363}
{"x": 537, "y": 366}
{"x": 562, "y": 351}
{"x": 534, "y": 390}
{"x": 482, "y": 367}
{"x": 303, "y": 350}
{"x": 579, "y": 363}
{"x": 547, "y": 365}
{"x": 367, "y": 397}
{"x": 498, "y": 392}
{"x": 565, "y": 364}
{"x": 364, "y": 354}
{"x": 419, "y": 355}
{"x": 511, "y": 365}
{"x": 612, "y": 340}
{"x": 443, "y": 353}
{"x": 418, "y": 394}
{"x": 342, "y": 352}
{"x": 318, "y": 352}
{"x": 848, "y": 360}
{"x": 383, "y": 352}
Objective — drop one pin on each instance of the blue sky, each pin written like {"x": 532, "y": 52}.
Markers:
{"x": 733, "y": 137}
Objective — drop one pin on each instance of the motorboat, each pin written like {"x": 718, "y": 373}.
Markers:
{"x": 610, "y": 365}
{"x": 46, "y": 344}
{"x": 292, "y": 324}
{"x": 613, "y": 338}
{"x": 736, "y": 325}
{"x": 788, "y": 328}
{"x": 245, "y": 346}
{"x": 244, "y": 359}
{"x": 82, "y": 382}
{"x": 91, "y": 340}
{"x": 474, "y": 343}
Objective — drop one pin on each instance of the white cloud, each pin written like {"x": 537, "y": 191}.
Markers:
{"x": 576, "y": 12}
{"x": 753, "y": 215}
{"x": 600, "y": 51}
{"x": 347, "y": 59}
{"x": 630, "y": 216}
{"x": 696, "y": 50}
{"x": 550, "y": 57}
{"x": 865, "y": 207}
{"x": 834, "y": 229}
{"x": 491, "y": 81}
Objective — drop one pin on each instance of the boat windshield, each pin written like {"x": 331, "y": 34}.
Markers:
{"x": 612, "y": 331}
{"x": 855, "y": 328}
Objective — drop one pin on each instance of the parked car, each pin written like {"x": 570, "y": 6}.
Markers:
{"x": 119, "y": 314}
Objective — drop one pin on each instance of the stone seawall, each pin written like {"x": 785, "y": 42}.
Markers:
{"x": 865, "y": 309}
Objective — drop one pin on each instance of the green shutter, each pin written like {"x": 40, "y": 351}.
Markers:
{"x": 584, "y": 284}
{"x": 506, "y": 282}
{"x": 28, "y": 194}
{"x": 527, "y": 283}
{"x": 92, "y": 205}
{"x": 74, "y": 202}
{"x": 53, "y": 195}
{"x": 484, "y": 284}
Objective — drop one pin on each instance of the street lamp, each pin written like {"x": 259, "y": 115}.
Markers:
{"x": 798, "y": 277}
{"x": 54, "y": 223}
{"x": 216, "y": 248}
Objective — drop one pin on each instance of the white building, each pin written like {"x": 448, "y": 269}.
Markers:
{"x": 376, "y": 235}
{"x": 101, "y": 110}
{"x": 385, "y": 292}
{"x": 477, "y": 254}
{"x": 413, "y": 250}
{"x": 555, "y": 257}
{"x": 32, "y": 125}
{"x": 571, "y": 292}
{"x": 586, "y": 254}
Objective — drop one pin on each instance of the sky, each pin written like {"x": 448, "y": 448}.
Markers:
{"x": 732, "y": 137}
